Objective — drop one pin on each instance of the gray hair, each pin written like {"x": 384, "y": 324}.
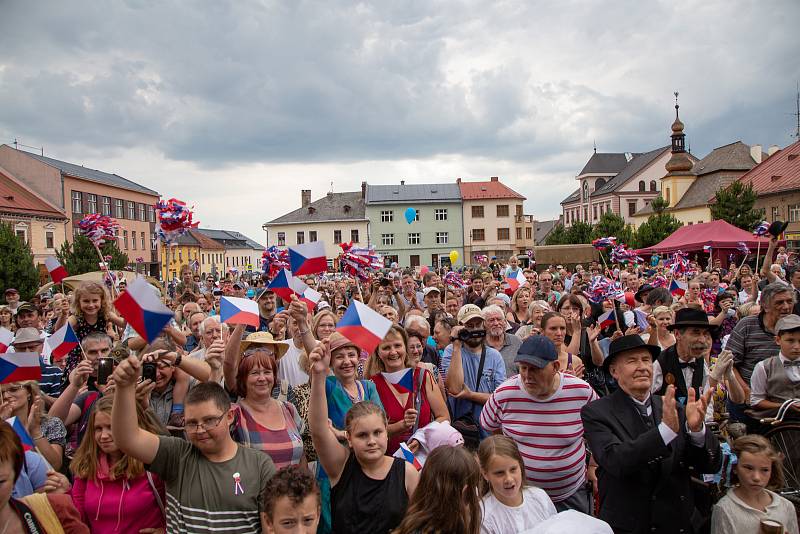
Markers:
{"x": 97, "y": 336}
{"x": 215, "y": 318}
{"x": 411, "y": 320}
{"x": 771, "y": 290}
{"x": 492, "y": 309}
{"x": 539, "y": 304}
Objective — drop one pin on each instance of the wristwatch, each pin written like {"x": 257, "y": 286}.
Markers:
{"x": 178, "y": 360}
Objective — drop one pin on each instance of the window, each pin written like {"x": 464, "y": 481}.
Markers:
{"x": 585, "y": 213}
{"x": 106, "y": 206}
{"x": 794, "y": 212}
{"x": 153, "y": 241}
{"x": 413, "y": 239}
{"x": 641, "y": 185}
{"x": 519, "y": 233}
{"x": 151, "y": 214}
{"x": 281, "y": 239}
{"x": 133, "y": 240}
{"x": 354, "y": 236}
{"x": 48, "y": 237}
{"x": 518, "y": 208}
{"x": 142, "y": 213}
{"x": 776, "y": 213}
{"x": 502, "y": 210}
{"x": 337, "y": 236}
{"x": 631, "y": 208}
{"x": 125, "y": 242}
{"x": 77, "y": 206}
{"x": 312, "y": 236}
{"x": 600, "y": 182}
{"x": 594, "y": 212}
{"x": 440, "y": 214}
{"x": 301, "y": 238}
{"x": 387, "y": 216}
{"x": 441, "y": 238}
{"x": 503, "y": 234}
{"x": 118, "y": 209}
{"x": 91, "y": 200}
{"x": 477, "y": 212}
{"x": 566, "y": 217}
{"x": 22, "y": 235}
{"x": 478, "y": 234}
{"x": 131, "y": 211}
{"x": 528, "y": 233}
{"x": 143, "y": 245}
{"x": 585, "y": 191}
{"x": 653, "y": 185}
{"x": 387, "y": 239}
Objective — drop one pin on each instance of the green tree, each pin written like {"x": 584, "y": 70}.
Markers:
{"x": 579, "y": 232}
{"x": 657, "y": 227}
{"x": 557, "y": 236}
{"x": 734, "y": 205}
{"x": 16, "y": 264}
{"x": 81, "y": 257}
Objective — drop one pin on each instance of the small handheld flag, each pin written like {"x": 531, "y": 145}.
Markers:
{"x": 234, "y": 310}
{"x": 6, "y": 337}
{"x": 308, "y": 258}
{"x": 56, "y": 270}
{"x": 26, "y": 439}
{"x": 607, "y": 319}
{"x": 604, "y": 242}
{"x": 285, "y": 285}
{"x": 19, "y": 366}
{"x": 363, "y": 326}
{"x": 405, "y": 453}
{"x": 62, "y": 342}
{"x": 140, "y": 306}
{"x": 517, "y": 281}
{"x": 761, "y": 229}
{"x": 678, "y": 288}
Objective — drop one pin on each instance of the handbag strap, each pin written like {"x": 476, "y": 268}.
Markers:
{"x": 155, "y": 493}
{"x": 418, "y": 396}
{"x": 480, "y": 368}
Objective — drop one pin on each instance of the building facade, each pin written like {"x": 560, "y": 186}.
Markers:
{"x": 428, "y": 240}
{"x": 79, "y": 191}
{"x": 241, "y": 252}
{"x": 494, "y": 220}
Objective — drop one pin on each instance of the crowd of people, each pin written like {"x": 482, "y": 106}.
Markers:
{"x": 489, "y": 406}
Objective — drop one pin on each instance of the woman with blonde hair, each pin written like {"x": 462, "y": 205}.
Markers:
{"x": 6, "y": 318}
{"x": 657, "y": 333}
{"x": 519, "y": 306}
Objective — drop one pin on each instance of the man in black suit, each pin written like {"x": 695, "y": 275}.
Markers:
{"x": 644, "y": 446}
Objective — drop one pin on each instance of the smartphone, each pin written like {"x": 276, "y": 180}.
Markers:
{"x": 385, "y": 282}
{"x": 149, "y": 371}
{"x": 105, "y": 366}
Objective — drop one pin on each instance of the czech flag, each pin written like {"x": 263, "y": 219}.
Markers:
{"x": 627, "y": 297}
{"x": 607, "y": 319}
{"x": 6, "y": 338}
{"x": 678, "y": 288}
{"x": 26, "y": 439}
{"x": 234, "y": 310}
{"x": 285, "y": 285}
{"x": 56, "y": 270}
{"x": 363, "y": 326}
{"x": 140, "y": 306}
{"x": 405, "y": 453}
{"x": 707, "y": 248}
{"x": 518, "y": 281}
{"x": 761, "y": 229}
{"x": 19, "y": 366}
{"x": 62, "y": 342}
{"x": 308, "y": 258}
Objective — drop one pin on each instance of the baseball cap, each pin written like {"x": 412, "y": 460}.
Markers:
{"x": 467, "y": 312}
{"x": 537, "y": 351}
{"x": 430, "y": 290}
{"x": 790, "y": 322}
{"x": 323, "y": 306}
{"x": 11, "y": 290}
{"x": 27, "y": 307}
{"x": 240, "y": 285}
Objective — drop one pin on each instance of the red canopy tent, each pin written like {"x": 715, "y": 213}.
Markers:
{"x": 723, "y": 237}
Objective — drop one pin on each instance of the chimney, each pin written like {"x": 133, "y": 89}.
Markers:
{"x": 305, "y": 197}
{"x": 402, "y": 182}
{"x": 458, "y": 180}
{"x": 755, "y": 153}
{"x": 772, "y": 149}
{"x": 494, "y": 179}
{"x": 363, "y": 190}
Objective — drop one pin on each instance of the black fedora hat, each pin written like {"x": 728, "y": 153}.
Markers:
{"x": 777, "y": 228}
{"x": 639, "y": 295}
{"x": 687, "y": 317}
{"x": 628, "y": 343}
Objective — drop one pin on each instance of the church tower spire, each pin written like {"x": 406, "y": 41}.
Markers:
{"x": 679, "y": 162}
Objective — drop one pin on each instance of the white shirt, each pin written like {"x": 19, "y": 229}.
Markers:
{"x": 758, "y": 380}
{"x": 289, "y": 370}
{"x": 667, "y": 434}
{"x": 500, "y": 519}
{"x": 688, "y": 374}
{"x": 572, "y": 521}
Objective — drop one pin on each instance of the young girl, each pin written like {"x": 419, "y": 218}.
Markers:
{"x": 446, "y": 500}
{"x": 509, "y": 506}
{"x": 744, "y": 507}
{"x": 91, "y": 312}
{"x": 291, "y": 502}
{"x": 113, "y": 492}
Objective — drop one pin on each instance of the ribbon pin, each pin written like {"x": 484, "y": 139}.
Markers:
{"x": 237, "y": 484}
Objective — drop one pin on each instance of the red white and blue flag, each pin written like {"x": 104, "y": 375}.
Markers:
{"x": 56, "y": 270}
{"x": 6, "y": 338}
{"x": 363, "y": 326}
{"x": 707, "y": 248}
{"x": 19, "y": 427}
{"x": 678, "y": 288}
{"x": 308, "y": 258}
{"x": 285, "y": 285}
{"x": 405, "y": 453}
{"x": 607, "y": 319}
{"x": 140, "y": 306}
{"x": 517, "y": 281}
{"x": 626, "y": 297}
{"x": 234, "y": 310}
{"x": 62, "y": 342}
{"x": 19, "y": 366}
{"x": 761, "y": 229}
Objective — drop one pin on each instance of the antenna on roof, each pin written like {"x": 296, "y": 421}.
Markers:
{"x": 17, "y": 144}
{"x": 797, "y": 113}
{"x": 594, "y": 144}
{"x": 331, "y": 191}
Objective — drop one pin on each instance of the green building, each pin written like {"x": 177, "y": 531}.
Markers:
{"x": 436, "y": 231}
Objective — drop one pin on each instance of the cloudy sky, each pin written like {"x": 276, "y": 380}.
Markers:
{"x": 235, "y": 106}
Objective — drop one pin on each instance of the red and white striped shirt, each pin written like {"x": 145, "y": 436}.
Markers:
{"x": 548, "y": 432}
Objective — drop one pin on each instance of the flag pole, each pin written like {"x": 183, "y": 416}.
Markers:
{"x": 758, "y": 256}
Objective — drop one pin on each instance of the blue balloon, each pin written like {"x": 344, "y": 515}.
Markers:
{"x": 411, "y": 214}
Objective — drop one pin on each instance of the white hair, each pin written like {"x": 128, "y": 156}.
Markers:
{"x": 492, "y": 308}
{"x": 215, "y": 318}
{"x": 411, "y": 320}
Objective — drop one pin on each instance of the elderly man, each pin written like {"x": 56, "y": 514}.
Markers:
{"x": 30, "y": 340}
{"x": 644, "y": 446}
{"x": 541, "y": 397}
{"x": 498, "y": 338}
{"x": 211, "y": 346}
{"x": 409, "y": 294}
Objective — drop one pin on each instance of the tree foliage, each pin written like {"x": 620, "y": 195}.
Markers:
{"x": 657, "y": 228}
{"x": 734, "y": 205}
{"x": 579, "y": 232}
{"x": 17, "y": 269}
{"x": 81, "y": 257}
{"x": 557, "y": 236}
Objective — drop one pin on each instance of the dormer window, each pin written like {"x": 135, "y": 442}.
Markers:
{"x": 346, "y": 208}
{"x": 312, "y": 210}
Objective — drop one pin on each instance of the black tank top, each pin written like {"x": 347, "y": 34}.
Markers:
{"x": 360, "y": 504}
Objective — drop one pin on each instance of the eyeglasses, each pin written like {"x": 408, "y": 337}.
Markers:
{"x": 204, "y": 425}
{"x": 13, "y": 388}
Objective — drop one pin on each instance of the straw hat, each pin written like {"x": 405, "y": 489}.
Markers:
{"x": 262, "y": 339}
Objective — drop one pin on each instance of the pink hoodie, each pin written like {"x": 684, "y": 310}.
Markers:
{"x": 118, "y": 506}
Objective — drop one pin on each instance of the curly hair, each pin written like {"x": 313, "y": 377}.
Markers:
{"x": 91, "y": 288}
{"x": 756, "y": 444}
{"x": 293, "y": 482}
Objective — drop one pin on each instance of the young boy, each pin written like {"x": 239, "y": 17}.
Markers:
{"x": 291, "y": 503}
{"x": 777, "y": 379}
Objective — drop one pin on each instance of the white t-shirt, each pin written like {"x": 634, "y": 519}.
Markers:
{"x": 572, "y": 521}
{"x": 501, "y": 519}
{"x": 289, "y": 370}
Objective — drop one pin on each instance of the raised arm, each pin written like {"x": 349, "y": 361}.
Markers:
{"x": 454, "y": 371}
{"x": 230, "y": 362}
{"x": 131, "y": 439}
{"x": 63, "y": 407}
{"x": 331, "y": 453}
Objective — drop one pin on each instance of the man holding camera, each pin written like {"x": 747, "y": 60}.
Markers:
{"x": 473, "y": 371}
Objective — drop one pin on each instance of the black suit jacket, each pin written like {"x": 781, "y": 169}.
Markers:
{"x": 644, "y": 485}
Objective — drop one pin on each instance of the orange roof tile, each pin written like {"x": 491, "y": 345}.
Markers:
{"x": 780, "y": 172}
{"x": 490, "y": 189}
{"x": 16, "y": 198}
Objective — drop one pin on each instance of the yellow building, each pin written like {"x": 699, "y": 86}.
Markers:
{"x": 200, "y": 253}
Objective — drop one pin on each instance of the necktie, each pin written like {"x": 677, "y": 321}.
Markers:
{"x": 642, "y": 409}
{"x": 791, "y": 363}
{"x": 683, "y": 365}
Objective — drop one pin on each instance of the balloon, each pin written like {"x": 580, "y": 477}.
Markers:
{"x": 453, "y": 257}
{"x": 424, "y": 269}
{"x": 411, "y": 214}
